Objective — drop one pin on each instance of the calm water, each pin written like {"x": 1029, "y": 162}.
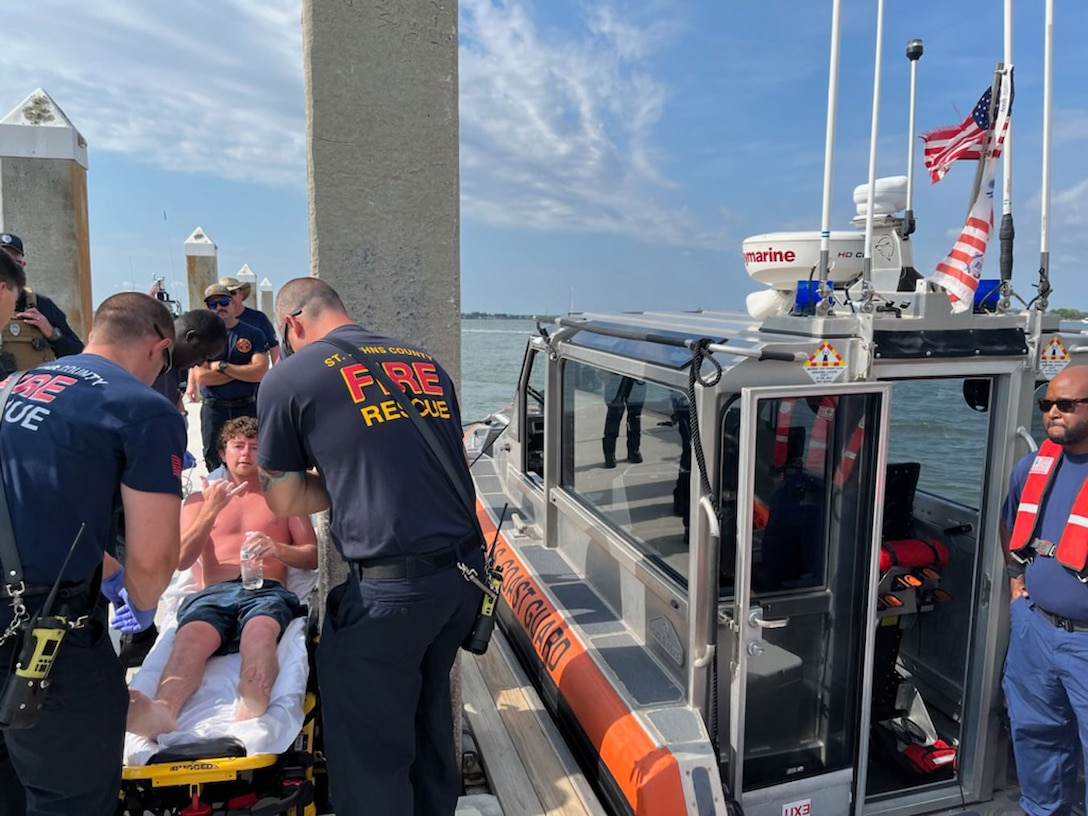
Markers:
{"x": 931, "y": 423}
{"x": 491, "y": 356}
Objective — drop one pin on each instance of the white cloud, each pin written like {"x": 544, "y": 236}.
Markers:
{"x": 197, "y": 87}
{"x": 558, "y": 126}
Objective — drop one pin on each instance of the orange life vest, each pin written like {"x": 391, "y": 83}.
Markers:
{"x": 1072, "y": 549}
{"x": 819, "y": 434}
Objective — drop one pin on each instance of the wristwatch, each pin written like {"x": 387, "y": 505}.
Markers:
{"x": 55, "y": 336}
{"x": 222, "y": 365}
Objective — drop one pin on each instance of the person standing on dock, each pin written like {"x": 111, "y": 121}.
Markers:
{"x": 1046, "y": 668}
{"x": 228, "y": 384}
{"x": 81, "y": 440}
{"x": 393, "y": 629}
{"x": 239, "y": 291}
{"x": 39, "y": 331}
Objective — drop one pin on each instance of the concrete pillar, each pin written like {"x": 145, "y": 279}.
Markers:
{"x": 201, "y": 265}
{"x": 382, "y": 130}
{"x": 247, "y": 275}
{"x": 43, "y": 200}
{"x": 381, "y": 134}
{"x": 266, "y": 300}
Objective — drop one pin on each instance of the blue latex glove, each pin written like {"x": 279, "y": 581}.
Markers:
{"x": 129, "y": 618}
{"x": 113, "y": 586}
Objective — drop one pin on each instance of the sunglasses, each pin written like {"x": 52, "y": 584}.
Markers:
{"x": 167, "y": 353}
{"x": 1066, "y": 406}
{"x": 216, "y": 303}
{"x": 287, "y": 350}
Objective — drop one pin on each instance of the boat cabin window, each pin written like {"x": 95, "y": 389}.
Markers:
{"x": 532, "y": 419}
{"x": 808, "y": 456}
{"x": 626, "y": 456}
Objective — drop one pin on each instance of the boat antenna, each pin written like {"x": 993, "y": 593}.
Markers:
{"x": 1008, "y": 233}
{"x": 824, "y": 290}
{"x": 1048, "y": 109}
{"x": 914, "y": 53}
{"x": 867, "y": 260}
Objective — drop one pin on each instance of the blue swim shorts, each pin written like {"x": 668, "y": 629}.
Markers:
{"x": 228, "y": 606}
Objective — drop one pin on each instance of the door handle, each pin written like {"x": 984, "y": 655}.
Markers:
{"x": 755, "y": 618}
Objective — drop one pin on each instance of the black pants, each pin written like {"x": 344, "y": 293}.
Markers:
{"x": 213, "y": 416}
{"x": 69, "y": 764}
{"x": 621, "y": 402}
{"x": 383, "y": 665}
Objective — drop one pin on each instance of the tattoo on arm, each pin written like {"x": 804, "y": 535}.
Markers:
{"x": 271, "y": 478}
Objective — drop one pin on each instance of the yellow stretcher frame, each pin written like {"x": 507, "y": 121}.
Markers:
{"x": 195, "y": 774}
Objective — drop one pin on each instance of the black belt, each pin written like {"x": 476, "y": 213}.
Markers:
{"x": 224, "y": 403}
{"x": 1067, "y": 624}
{"x": 412, "y": 566}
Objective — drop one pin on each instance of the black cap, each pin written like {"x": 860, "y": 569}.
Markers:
{"x": 13, "y": 241}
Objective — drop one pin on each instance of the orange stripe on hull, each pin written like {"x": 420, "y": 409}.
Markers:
{"x": 647, "y": 773}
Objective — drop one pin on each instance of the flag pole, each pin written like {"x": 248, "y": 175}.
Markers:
{"x": 988, "y": 137}
{"x": 1048, "y": 108}
{"x": 867, "y": 260}
{"x": 1008, "y": 232}
{"x": 824, "y": 305}
{"x": 914, "y": 53}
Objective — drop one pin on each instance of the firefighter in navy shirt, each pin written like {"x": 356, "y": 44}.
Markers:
{"x": 239, "y": 292}
{"x": 392, "y": 630}
{"x": 228, "y": 384}
{"x": 81, "y": 439}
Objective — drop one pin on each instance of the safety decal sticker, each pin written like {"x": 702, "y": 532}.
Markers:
{"x": 1054, "y": 358}
{"x": 825, "y": 364}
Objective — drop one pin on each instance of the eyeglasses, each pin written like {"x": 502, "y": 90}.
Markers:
{"x": 287, "y": 350}
{"x": 1066, "y": 406}
{"x": 216, "y": 303}
{"x": 167, "y": 353}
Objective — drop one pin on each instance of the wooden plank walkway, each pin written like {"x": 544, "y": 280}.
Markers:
{"x": 528, "y": 766}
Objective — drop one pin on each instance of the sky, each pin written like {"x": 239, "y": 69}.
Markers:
{"x": 613, "y": 154}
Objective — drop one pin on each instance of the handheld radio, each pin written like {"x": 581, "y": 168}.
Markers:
{"x": 480, "y": 636}
{"x": 28, "y": 683}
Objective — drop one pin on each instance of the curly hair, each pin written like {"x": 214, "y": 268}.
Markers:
{"x": 241, "y": 426}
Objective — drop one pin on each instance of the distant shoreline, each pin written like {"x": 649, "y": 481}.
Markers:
{"x": 494, "y": 316}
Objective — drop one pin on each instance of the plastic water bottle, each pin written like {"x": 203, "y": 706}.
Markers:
{"x": 252, "y": 564}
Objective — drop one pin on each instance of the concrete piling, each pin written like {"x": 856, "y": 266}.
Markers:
{"x": 247, "y": 275}
{"x": 201, "y": 265}
{"x": 43, "y": 200}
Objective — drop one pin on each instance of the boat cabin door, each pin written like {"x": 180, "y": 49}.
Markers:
{"x": 802, "y": 491}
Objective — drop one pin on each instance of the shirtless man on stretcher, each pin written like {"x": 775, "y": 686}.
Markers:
{"x": 224, "y": 617}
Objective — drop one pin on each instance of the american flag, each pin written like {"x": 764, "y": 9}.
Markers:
{"x": 961, "y": 269}
{"x": 944, "y": 145}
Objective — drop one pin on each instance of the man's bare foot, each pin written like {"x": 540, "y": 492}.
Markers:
{"x": 250, "y": 709}
{"x": 148, "y": 718}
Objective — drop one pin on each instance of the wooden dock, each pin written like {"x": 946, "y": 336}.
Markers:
{"x": 528, "y": 766}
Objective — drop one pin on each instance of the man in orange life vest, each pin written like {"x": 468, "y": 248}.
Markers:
{"x": 1046, "y": 669}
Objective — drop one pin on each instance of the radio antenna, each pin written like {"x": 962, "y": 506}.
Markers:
{"x": 867, "y": 260}
{"x": 1007, "y": 233}
{"x": 1044, "y": 195}
{"x": 824, "y": 305}
{"x": 914, "y": 53}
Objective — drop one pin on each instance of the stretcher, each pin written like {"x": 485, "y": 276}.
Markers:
{"x": 215, "y": 765}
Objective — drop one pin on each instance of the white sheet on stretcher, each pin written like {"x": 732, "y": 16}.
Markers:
{"x": 210, "y": 712}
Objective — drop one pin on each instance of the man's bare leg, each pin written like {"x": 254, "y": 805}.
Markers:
{"x": 259, "y": 666}
{"x": 194, "y": 643}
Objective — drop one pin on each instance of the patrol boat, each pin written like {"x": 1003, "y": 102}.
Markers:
{"x": 789, "y": 598}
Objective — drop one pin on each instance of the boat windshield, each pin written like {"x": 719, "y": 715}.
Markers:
{"x": 647, "y": 350}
